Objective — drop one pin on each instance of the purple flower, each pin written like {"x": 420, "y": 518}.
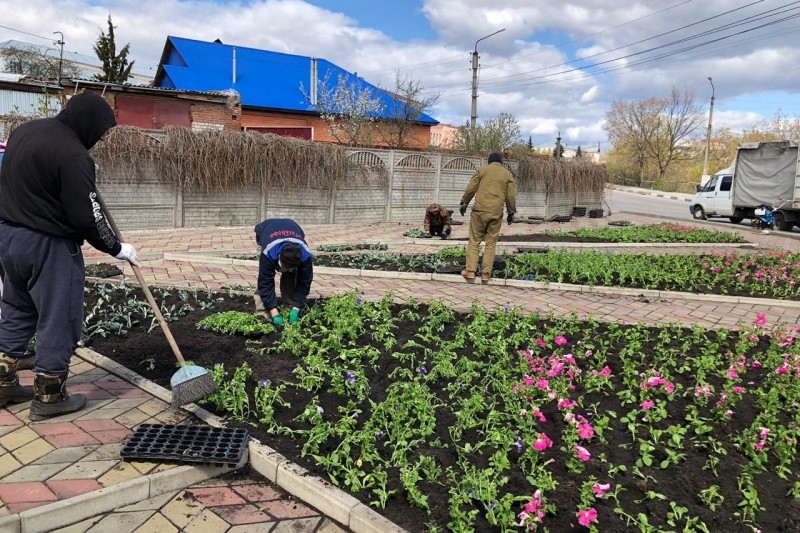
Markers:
{"x": 350, "y": 377}
{"x": 492, "y": 506}
{"x": 518, "y": 444}
{"x": 358, "y": 301}
{"x": 469, "y": 493}
{"x": 320, "y": 410}
{"x": 379, "y": 435}
{"x": 505, "y": 309}
{"x": 265, "y": 383}
{"x": 422, "y": 370}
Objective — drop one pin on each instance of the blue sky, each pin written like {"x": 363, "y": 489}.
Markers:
{"x": 402, "y": 20}
{"x": 647, "y": 48}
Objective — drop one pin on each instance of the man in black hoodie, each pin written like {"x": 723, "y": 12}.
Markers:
{"x": 48, "y": 208}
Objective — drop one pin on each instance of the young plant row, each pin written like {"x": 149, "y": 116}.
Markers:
{"x": 664, "y": 232}
{"x": 507, "y": 420}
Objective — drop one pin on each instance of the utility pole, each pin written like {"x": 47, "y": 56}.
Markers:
{"x": 60, "y": 43}
{"x": 708, "y": 130}
{"x": 474, "y": 115}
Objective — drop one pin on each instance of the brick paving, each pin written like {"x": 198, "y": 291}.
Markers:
{"x": 73, "y": 455}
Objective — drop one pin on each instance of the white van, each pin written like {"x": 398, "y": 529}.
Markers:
{"x": 713, "y": 199}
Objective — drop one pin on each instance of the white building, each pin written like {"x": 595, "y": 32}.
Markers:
{"x": 89, "y": 65}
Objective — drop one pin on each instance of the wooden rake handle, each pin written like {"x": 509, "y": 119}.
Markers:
{"x": 153, "y": 305}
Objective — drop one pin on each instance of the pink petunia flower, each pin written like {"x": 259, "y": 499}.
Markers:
{"x": 583, "y": 453}
{"x": 647, "y": 405}
{"x": 585, "y": 431}
{"x": 532, "y": 512}
{"x": 588, "y": 353}
{"x": 542, "y": 384}
{"x": 600, "y": 490}
{"x": 761, "y": 319}
{"x": 560, "y": 340}
{"x": 586, "y": 517}
{"x": 538, "y": 414}
{"x": 542, "y": 442}
{"x": 541, "y": 343}
{"x": 566, "y": 403}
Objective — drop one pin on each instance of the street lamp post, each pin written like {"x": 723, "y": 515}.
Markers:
{"x": 60, "y": 42}
{"x": 474, "y": 115}
{"x": 708, "y": 130}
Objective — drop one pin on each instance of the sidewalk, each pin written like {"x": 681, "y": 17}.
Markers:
{"x": 58, "y": 473}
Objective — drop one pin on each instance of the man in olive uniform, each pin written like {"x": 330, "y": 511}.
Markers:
{"x": 492, "y": 186}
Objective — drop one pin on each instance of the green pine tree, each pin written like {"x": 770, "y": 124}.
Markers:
{"x": 530, "y": 143}
{"x": 116, "y": 68}
{"x": 578, "y": 152}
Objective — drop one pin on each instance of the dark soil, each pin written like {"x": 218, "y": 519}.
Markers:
{"x": 103, "y": 270}
{"x": 150, "y": 355}
{"x": 541, "y": 237}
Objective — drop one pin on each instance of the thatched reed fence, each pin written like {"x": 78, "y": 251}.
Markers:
{"x": 180, "y": 178}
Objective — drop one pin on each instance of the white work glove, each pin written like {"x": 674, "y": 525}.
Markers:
{"x": 128, "y": 253}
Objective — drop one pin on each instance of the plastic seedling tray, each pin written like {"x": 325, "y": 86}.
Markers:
{"x": 186, "y": 444}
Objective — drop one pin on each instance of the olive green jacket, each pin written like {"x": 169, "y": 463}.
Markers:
{"x": 492, "y": 186}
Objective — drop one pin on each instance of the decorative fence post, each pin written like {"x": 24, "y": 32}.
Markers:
{"x": 388, "y": 217}
{"x": 438, "y": 179}
{"x": 178, "y": 218}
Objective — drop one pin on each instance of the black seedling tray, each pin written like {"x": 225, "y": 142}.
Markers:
{"x": 186, "y": 444}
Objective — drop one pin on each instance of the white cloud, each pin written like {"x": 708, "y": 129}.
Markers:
{"x": 556, "y": 67}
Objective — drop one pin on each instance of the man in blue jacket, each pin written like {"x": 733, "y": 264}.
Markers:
{"x": 284, "y": 250}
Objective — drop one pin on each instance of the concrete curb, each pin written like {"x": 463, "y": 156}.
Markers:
{"x": 545, "y": 285}
{"x": 292, "y": 478}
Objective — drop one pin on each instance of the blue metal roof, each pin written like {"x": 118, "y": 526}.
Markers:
{"x": 262, "y": 78}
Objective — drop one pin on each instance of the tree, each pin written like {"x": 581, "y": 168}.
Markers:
{"x": 32, "y": 61}
{"x": 116, "y": 68}
{"x": 652, "y": 132}
{"x": 530, "y": 142}
{"x": 350, "y": 108}
{"x": 578, "y": 153}
{"x": 408, "y": 102}
{"x": 494, "y": 135}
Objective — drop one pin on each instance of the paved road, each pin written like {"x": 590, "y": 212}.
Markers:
{"x": 648, "y": 205}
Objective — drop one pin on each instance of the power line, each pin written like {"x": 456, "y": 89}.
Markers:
{"x": 453, "y": 59}
{"x": 508, "y": 83}
{"x": 26, "y": 33}
{"x": 519, "y": 75}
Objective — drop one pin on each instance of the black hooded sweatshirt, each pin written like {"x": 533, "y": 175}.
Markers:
{"x": 47, "y": 179}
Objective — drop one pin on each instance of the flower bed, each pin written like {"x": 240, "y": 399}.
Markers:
{"x": 486, "y": 421}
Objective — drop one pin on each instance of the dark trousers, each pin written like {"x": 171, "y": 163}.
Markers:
{"x": 43, "y": 285}
{"x": 437, "y": 230}
{"x": 288, "y": 286}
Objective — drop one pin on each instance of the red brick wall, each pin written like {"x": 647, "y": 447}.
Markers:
{"x": 419, "y": 137}
{"x": 215, "y": 113}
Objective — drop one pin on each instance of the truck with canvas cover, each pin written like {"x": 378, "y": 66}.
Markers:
{"x": 766, "y": 174}
{"x": 763, "y": 175}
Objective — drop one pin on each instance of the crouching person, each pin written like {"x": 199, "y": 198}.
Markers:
{"x": 284, "y": 250}
{"x": 437, "y": 221}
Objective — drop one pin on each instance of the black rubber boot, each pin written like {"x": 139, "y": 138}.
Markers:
{"x": 27, "y": 360}
{"x": 50, "y": 397}
{"x": 10, "y": 389}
